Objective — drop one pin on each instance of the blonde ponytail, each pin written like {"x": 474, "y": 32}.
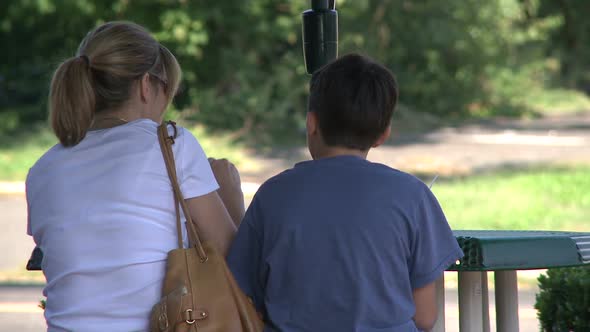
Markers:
{"x": 72, "y": 100}
{"x": 112, "y": 58}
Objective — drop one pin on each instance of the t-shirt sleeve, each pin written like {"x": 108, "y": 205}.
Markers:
{"x": 434, "y": 247}
{"x": 195, "y": 174}
{"x": 245, "y": 258}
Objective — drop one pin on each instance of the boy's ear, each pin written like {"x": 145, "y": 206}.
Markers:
{"x": 312, "y": 123}
{"x": 383, "y": 137}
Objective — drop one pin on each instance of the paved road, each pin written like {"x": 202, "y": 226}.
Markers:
{"x": 479, "y": 147}
{"x": 469, "y": 148}
{"x": 15, "y": 244}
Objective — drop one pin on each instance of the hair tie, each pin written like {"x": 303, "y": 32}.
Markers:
{"x": 86, "y": 59}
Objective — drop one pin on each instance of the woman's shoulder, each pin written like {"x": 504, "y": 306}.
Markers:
{"x": 151, "y": 127}
{"x": 148, "y": 127}
{"x": 48, "y": 157}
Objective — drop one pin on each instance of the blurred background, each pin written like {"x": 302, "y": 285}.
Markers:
{"x": 495, "y": 98}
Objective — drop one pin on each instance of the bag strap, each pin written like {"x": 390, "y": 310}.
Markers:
{"x": 166, "y": 142}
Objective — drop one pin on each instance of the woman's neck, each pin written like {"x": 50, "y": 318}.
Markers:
{"x": 130, "y": 112}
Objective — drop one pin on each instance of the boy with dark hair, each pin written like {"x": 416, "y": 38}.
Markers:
{"x": 338, "y": 243}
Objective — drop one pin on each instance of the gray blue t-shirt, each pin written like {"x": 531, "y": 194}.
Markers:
{"x": 338, "y": 244}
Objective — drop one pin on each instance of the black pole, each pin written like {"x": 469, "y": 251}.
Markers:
{"x": 320, "y": 4}
{"x": 320, "y": 34}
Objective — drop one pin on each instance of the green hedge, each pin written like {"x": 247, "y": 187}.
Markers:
{"x": 563, "y": 303}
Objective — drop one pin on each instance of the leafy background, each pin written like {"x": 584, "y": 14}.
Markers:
{"x": 244, "y": 72}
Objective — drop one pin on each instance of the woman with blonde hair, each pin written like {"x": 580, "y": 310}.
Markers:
{"x": 100, "y": 202}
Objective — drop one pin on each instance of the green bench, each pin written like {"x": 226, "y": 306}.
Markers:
{"x": 505, "y": 252}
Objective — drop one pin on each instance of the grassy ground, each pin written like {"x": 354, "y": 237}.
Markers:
{"x": 540, "y": 198}
{"x": 18, "y": 152}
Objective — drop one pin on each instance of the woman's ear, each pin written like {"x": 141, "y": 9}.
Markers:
{"x": 145, "y": 88}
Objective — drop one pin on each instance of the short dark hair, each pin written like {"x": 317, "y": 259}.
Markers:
{"x": 354, "y": 98}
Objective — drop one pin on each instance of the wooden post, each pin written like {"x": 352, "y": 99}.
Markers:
{"x": 506, "y": 301}
{"x": 485, "y": 301}
{"x": 471, "y": 302}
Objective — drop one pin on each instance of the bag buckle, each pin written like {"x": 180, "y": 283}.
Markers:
{"x": 190, "y": 318}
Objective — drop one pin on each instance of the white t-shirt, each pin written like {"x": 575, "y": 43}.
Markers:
{"x": 103, "y": 214}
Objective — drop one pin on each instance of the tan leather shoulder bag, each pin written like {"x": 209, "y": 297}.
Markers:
{"x": 199, "y": 293}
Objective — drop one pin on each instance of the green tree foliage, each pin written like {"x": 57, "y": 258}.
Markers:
{"x": 242, "y": 60}
{"x": 440, "y": 50}
{"x": 34, "y": 36}
{"x": 569, "y": 41}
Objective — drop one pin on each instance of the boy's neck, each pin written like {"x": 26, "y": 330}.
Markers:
{"x": 336, "y": 151}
